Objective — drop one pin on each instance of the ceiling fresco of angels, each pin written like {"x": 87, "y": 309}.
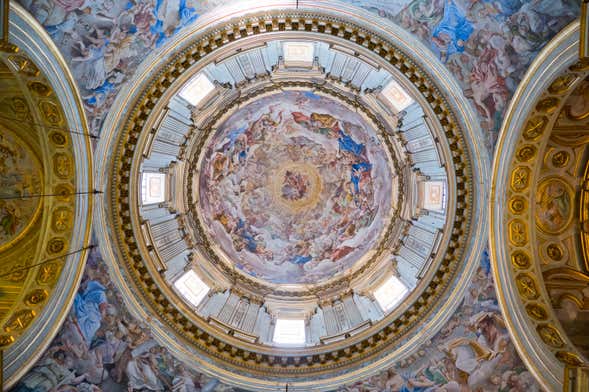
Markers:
{"x": 295, "y": 188}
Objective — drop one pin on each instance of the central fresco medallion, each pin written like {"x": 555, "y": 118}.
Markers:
{"x": 295, "y": 187}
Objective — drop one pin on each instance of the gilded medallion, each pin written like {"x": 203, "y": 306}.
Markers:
{"x": 554, "y": 200}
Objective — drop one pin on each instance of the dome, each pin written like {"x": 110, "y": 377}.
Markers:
{"x": 46, "y": 195}
{"x": 291, "y": 205}
{"x": 207, "y": 195}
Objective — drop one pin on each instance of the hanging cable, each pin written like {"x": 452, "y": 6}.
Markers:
{"x": 64, "y": 194}
{"x": 30, "y": 122}
{"x": 28, "y": 267}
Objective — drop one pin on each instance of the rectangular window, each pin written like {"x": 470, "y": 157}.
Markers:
{"x": 298, "y": 54}
{"x": 396, "y": 96}
{"x": 390, "y": 293}
{"x": 153, "y": 188}
{"x": 289, "y": 332}
{"x": 434, "y": 195}
{"x": 191, "y": 287}
{"x": 196, "y": 89}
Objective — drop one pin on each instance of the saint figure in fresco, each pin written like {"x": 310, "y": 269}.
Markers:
{"x": 89, "y": 305}
{"x": 53, "y": 374}
{"x": 301, "y": 253}
{"x": 9, "y": 218}
{"x": 554, "y": 205}
{"x": 294, "y": 186}
{"x": 452, "y": 32}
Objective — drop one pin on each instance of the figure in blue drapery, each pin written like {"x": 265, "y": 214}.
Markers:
{"x": 234, "y": 135}
{"x": 250, "y": 241}
{"x": 99, "y": 94}
{"x": 452, "y": 32}
{"x": 301, "y": 254}
{"x": 346, "y": 143}
{"x": 88, "y": 309}
{"x": 301, "y": 259}
{"x": 506, "y": 8}
{"x": 166, "y": 24}
{"x": 357, "y": 170}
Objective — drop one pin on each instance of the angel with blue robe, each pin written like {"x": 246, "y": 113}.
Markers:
{"x": 452, "y": 32}
{"x": 88, "y": 308}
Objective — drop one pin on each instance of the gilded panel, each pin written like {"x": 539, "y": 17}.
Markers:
{"x": 554, "y": 205}
{"x": 34, "y": 225}
{"x": 541, "y": 215}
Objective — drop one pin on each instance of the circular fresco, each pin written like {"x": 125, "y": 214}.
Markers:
{"x": 20, "y": 177}
{"x": 295, "y": 187}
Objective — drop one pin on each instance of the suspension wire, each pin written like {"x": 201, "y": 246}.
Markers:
{"x": 64, "y": 194}
{"x": 54, "y": 127}
{"x": 47, "y": 261}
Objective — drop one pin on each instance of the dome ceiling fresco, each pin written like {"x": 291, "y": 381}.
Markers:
{"x": 295, "y": 187}
{"x": 288, "y": 195}
{"x": 326, "y": 189}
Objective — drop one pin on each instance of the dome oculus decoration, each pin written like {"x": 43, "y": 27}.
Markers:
{"x": 295, "y": 187}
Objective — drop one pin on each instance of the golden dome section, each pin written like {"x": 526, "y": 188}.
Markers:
{"x": 539, "y": 235}
{"x": 37, "y": 177}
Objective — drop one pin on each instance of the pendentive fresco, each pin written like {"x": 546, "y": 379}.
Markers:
{"x": 20, "y": 174}
{"x": 487, "y": 45}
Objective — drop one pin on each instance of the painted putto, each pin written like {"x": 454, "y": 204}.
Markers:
{"x": 295, "y": 187}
